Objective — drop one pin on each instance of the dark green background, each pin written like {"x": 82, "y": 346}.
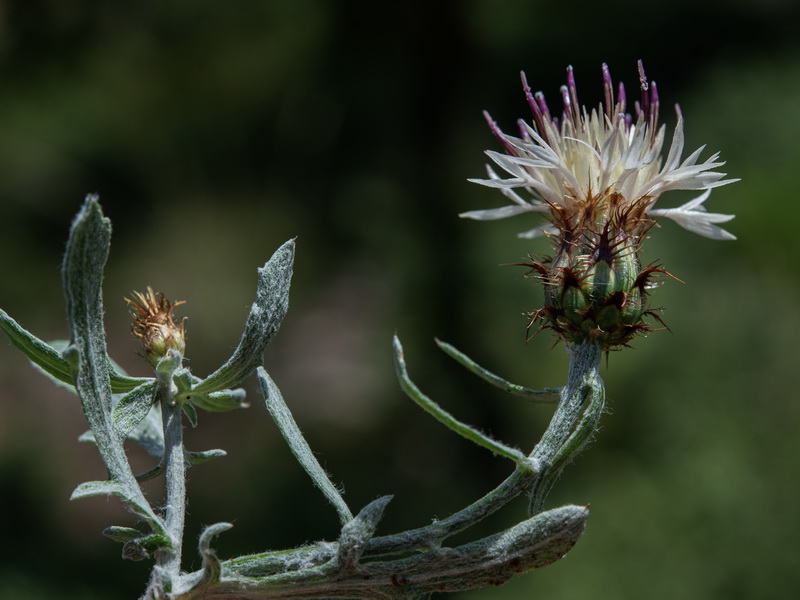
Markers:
{"x": 215, "y": 131}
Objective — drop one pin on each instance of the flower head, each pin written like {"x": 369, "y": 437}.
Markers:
{"x": 597, "y": 176}
{"x": 586, "y": 167}
{"x": 154, "y": 325}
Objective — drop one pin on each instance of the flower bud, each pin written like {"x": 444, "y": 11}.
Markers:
{"x": 595, "y": 287}
{"x": 154, "y": 325}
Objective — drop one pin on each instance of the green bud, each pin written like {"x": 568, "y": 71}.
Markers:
{"x": 595, "y": 289}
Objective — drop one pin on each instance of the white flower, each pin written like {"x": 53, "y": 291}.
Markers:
{"x": 589, "y": 169}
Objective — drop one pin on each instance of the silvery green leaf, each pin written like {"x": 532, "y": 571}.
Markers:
{"x": 149, "y": 433}
{"x": 48, "y": 359}
{"x": 82, "y": 273}
{"x": 221, "y": 401}
{"x": 133, "y": 407}
{"x": 198, "y": 458}
{"x": 152, "y": 473}
{"x": 448, "y": 420}
{"x": 122, "y": 534}
{"x": 84, "y": 260}
{"x": 548, "y": 396}
{"x": 135, "y": 502}
{"x": 190, "y": 413}
{"x": 42, "y": 354}
{"x": 184, "y": 380}
{"x": 211, "y": 565}
{"x": 90, "y": 489}
{"x": 298, "y": 445}
{"x": 356, "y": 533}
{"x": 264, "y": 320}
{"x": 168, "y": 364}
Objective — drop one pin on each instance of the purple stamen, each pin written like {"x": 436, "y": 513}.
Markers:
{"x": 642, "y": 77}
{"x": 622, "y": 98}
{"x": 529, "y": 95}
{"x": 573, "y": 95}
{"x": 498, "y": 133}
{"x": 536, "y": 109}
{"x": 653, "y": 104}
{"x": 523, "y": 131}
{"x": 566, "y": 101}
{"x": 608, "y": 90}
{"x": 645, "y": 97}
{"x": 539, "y": 96}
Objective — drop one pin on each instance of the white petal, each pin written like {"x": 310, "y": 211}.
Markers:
{"x": 693, "y": 216}
{"x": 676, "y": 147}
{"x": 537, "y": 232}
{"x": 698, "y": 225}
{"x": 500, "y": 183}
{"x": 492, "y": 214}
{"x": 507, "y": 192}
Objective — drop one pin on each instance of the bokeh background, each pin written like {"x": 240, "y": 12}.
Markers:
{"x": 215, "y": 131}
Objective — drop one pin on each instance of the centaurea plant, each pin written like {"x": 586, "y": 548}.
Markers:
{"x": 595, "y": 176}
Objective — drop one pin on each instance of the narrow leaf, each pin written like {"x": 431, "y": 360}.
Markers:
{"x": 448, "y": 420}
{"x": 546, "y": 396}
{"x": 84, "y": 260}
{"x": 211, "y": 565}
{"x": 198, "y": 458}
{"x": 122, "y": 534}
{"x": 220, "y": 401}
{"x": 297, "y": 443}
{"x": 47, "y": 357}
{"x": 39, "y": 352}
{"x": 138, "y": 505}
{"x": 190, "y": 412}
{"x": 264, "y": 320}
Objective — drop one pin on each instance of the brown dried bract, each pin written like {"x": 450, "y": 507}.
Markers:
{"x": 154, "y": 325}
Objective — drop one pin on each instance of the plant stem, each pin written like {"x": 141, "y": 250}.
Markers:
{"x": 574, "y": 422}
{"x": 175, "y": 463}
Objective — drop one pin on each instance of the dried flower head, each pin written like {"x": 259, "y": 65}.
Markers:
{"x": 597, "y": 176}
{"x": 154, "y": 325}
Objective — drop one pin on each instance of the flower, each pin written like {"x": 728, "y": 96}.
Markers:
{"x": 154, "y": 325}
{"x": 585, "y": 166}
{"x": 598, "y": 177}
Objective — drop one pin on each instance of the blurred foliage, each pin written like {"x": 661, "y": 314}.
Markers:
{"x": 213, "y": 132}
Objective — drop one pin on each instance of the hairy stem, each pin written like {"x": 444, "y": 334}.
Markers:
{"x": 169, "y": 560}
{"x": 574, "y": 422}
